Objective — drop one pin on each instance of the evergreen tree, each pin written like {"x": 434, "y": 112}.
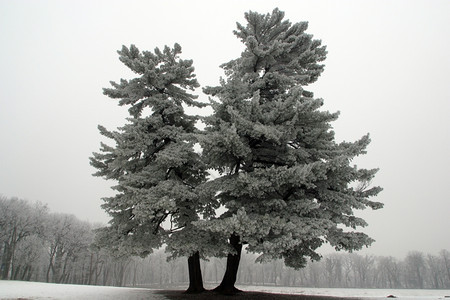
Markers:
{"x": 153, "y": 161}
{"x": 287, "y": 185}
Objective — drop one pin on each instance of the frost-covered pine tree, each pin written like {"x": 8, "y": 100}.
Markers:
{"x": 153, "y": 161}
{"x": 287, "y": 186}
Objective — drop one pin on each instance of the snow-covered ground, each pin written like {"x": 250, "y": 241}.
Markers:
{"x": 39, "y": 290}
{"x": 358, "y": 293}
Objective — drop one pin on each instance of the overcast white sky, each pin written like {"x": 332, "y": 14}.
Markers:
{"x": 387, "y": 71}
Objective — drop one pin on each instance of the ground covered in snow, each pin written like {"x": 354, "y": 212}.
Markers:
{"x": 355, "y": 293}
{"x": 38, "y": 290}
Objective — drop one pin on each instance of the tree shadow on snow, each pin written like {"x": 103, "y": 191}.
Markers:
{"x": 176, "y": 295}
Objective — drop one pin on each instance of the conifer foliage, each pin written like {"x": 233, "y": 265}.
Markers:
{"x": 287, "y": 185}
{"x": 153, "y": 160}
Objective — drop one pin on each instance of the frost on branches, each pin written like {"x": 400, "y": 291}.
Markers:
{"x": 286, "y": 186}
{"x": 153, "y": 160}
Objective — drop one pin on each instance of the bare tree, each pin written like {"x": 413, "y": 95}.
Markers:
{"x": 415, "y": 270}
{"x": 333, "y": 268}
{"x": 436, "y": 271}
{"x": 18, "y": 220}
{"x": 445, "y": 258}
{"x": 67, "y": 239}
{"x": 28, "y": 257}
{"x": 362, "y": 266}
{"x": 389, "y": 272}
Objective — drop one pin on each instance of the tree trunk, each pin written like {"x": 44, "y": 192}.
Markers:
{"x": 6, "y": 261}
{"x": 30, "y": 273}
{"x": 106, "y": 274}
{"x": 195, "y": 274}
{"x": 135, "y": 267}
{"x": 229, "y": 279}
{"x": 91, "y": 268}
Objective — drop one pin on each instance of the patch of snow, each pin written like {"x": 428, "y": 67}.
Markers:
{"x": 38, "y": 290}
{"x": 352, "y": 293}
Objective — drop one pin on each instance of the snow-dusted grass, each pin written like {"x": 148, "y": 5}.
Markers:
{"x": 39, "y": 290}
{"x": 358, "y": 293}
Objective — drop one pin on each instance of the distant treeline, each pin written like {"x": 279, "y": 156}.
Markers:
{"x": 37, "y": 245}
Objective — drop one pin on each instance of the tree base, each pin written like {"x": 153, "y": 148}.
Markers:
{"x": 195, "y": 275}
{"x": 192, "y": 290}
{"x": 227, "y": 287}
{"x": 227, "y": 290}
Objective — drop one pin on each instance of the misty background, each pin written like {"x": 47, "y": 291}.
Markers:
{"x": 387, "y": 72}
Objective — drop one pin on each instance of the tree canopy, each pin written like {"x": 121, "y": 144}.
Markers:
{"x": 153, "y": 160}
{"x": 286, "y": 186}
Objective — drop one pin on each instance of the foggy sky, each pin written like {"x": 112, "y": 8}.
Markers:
{"x": 387, "y": 72}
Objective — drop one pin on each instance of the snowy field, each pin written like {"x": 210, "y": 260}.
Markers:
{"x": 39, "y": 290}
{"x": 354, "y": 293}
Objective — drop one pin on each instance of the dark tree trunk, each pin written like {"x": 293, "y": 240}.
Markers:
{"x": 6, "y": 261}
{"x": 229, "y": 279}
{"x": 195, "y": 274}
{"x": 91, "y": 268}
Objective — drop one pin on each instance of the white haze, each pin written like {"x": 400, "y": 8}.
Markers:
{"x": 387, "y": 72}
